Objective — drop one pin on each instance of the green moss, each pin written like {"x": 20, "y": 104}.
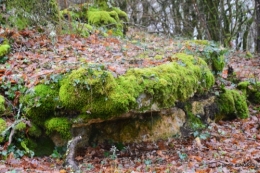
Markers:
{"x": 34, "y": 131}
{"x": 20, "y": 126}
{"x": 158, "y": 57}
{"x": 60, "y": 125}
{"x": 3, "y": 126}
{"x": 218, "y": 62}
{"x": 243, "y": 85}
{"x": 40, "y": 102}
{"x": 99, "y": 93}
{"x": 232, "y": 102}
{"x": 197, "y": 42}
{"x": 112, "y": 19}
{"x": 4, "y": 49}
{"x": 252, "y": 90}
{"x": 82, "y": 86}
{"x": 249, "y": 55}
{"x": 72, "y": 14}
{"x": 2, "y": 104}
{"x": 211, "y": 52}
{"x": 99, "y": 18}
{"x": 121, "y": 14}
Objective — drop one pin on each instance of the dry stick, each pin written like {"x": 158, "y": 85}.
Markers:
{"x": 70, "y": 153}
{"x": 13, "y": 130}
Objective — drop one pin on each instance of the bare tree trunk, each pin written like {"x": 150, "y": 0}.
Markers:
{"x": 257, "y": 9}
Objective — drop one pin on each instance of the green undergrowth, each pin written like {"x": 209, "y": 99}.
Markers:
{"x": 27, "y": 13}
{"x": 232, "y": 104}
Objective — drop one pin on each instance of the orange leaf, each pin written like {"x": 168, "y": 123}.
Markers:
{"x": 63, "y": 171}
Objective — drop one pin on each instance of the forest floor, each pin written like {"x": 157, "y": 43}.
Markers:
{"x": 226, "y": 146}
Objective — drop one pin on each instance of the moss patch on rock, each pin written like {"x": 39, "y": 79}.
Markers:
{"x": 4, "y": 49}
{"x": 98, "y": 15}
{"x": 3, "y": 126}
{"x": 34, "y": 131}
{"x": 41, "y": 102}
{"x": 2, "y": 104}
{"x": 251, "y": 90}
{"x": 232, "y": 104}
{"x": 20, "y": 126}
{"x": 60, "y": 125}
{"x": 211, "y": 52}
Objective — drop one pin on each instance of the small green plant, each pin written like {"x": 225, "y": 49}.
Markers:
{"x": 113, "y": 149}
{"x": 12, "y": 89}
{"x": 201, "y": 135}
{"x": 58, "y": 152}
{"x": 17, "y": 152}
{"x": 182, "y": 156}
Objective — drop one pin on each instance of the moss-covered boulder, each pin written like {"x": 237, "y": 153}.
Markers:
{"x": 97, "y": 94}
{"x": 93, "y": 94}
{"x": 232, "y": 104}
{"x": 98, "y": 14}
{"x": 251, "y": 90}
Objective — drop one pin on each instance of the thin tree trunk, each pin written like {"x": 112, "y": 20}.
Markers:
{"x": 257, "y": 7}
